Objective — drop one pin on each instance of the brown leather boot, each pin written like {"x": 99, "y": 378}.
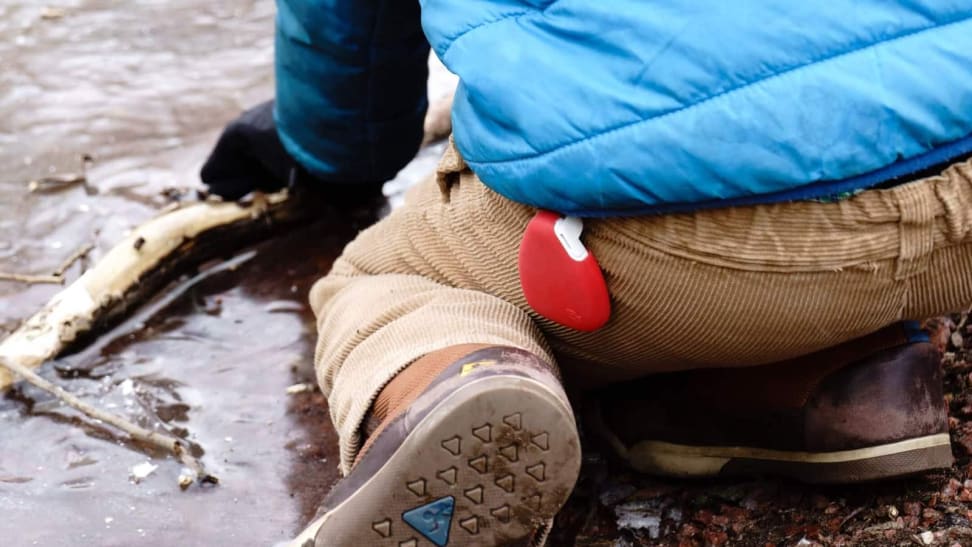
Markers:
{"x": 474, "y": 445}
{"x": 869, "y": 409}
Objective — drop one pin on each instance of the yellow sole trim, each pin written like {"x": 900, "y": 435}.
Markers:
{"x": 694, "y": 461}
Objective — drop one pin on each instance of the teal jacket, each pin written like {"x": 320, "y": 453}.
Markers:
{"x": 634, "y": 106}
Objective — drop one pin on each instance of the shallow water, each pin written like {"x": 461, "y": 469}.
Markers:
{"x": 143, "y": 87}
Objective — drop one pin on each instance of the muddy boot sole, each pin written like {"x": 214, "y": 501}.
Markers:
{"x": 897, "y": 459}
{"x": 487, "y": 462}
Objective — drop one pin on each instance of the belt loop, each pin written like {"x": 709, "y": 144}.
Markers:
{"x": 953, "y": 193}
{"x": 916, "y": 229}
{"x": 450, "y": 166}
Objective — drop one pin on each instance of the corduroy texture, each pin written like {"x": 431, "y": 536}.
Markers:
{"x": 727, "y": 287}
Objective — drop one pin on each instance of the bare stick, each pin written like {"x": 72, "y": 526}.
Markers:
{"x": 173, "y": 445}
{"x": 75, "y": 256}
{"x": 32, "y": 279}
{"x": 56, "y": 182}
{"x": 56, "y": 278}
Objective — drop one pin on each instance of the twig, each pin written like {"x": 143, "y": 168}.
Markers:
{"x": 175, "y": 446}
{"x": 75, "y": 256}
{"x": 56, "y": 278}
{"x": 850, "y": 516}
{"x": 32, "y": 279}
{"x": 54, "y": 183}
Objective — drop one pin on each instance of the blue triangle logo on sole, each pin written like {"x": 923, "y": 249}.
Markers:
{"x": 432, "y": 520}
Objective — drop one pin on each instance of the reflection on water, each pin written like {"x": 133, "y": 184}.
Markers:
{"x": 143, "y": 87}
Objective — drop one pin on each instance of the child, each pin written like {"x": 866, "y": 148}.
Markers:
{"x": 771, "y": 197}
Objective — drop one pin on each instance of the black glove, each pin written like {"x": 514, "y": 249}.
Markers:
{"x": 249, "y": 156}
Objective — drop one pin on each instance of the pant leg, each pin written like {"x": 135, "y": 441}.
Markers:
{"x": 372, "y": 326}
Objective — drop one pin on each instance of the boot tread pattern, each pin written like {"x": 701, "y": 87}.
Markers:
{"x": 486, "y": 471}
{"x": 503, "y": 450}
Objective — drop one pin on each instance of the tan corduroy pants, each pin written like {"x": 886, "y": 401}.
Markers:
{"x": 729, "y": 287}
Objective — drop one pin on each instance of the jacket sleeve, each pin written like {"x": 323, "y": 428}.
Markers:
{"x": 351, "y": 85}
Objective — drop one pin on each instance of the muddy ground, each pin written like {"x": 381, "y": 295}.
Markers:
{"x": 143, "y": 87}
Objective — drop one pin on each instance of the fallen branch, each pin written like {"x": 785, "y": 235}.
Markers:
{"x": 139, "y": 265}
{"x": 173, "y": 445}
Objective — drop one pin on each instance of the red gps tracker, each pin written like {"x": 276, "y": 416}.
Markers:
{"x": 561, "y": 280}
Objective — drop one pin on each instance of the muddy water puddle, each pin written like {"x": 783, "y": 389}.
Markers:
{"x": 143, "y": 87}
{"x": 211, "y": 360}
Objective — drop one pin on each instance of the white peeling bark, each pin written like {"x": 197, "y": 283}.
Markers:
{"x": 135, "y": 268}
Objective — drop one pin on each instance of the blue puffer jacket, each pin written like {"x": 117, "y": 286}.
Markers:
{"x": 635, "y": 106}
